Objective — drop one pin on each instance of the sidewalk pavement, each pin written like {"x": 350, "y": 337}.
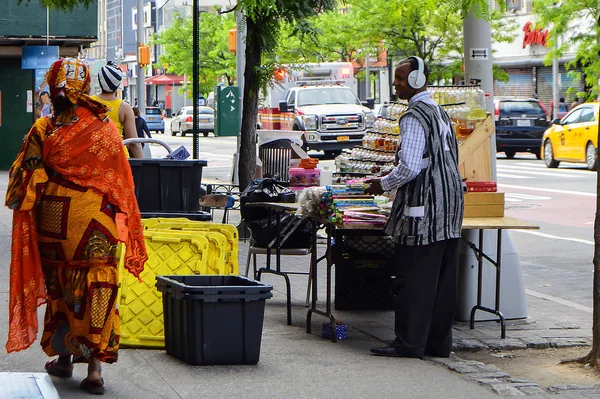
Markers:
{"x": 295, "y": 364}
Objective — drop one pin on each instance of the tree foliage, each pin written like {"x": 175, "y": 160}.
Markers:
{"x": 574, "y": 24}
{"x": 429, "y": 29}
{"x": 216, "y": 61}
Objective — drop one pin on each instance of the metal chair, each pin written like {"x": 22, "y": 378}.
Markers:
{"x": 256, "y": 250}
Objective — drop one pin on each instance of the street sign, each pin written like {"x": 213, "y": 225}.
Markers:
{"x": 479, "y": 53}
{"x": 227, "y": 111}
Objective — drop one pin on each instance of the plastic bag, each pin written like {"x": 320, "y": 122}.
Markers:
{"x": 264, "y": 190}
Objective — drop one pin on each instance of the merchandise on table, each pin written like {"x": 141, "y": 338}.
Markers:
{"x": 482, "y": 186}
{"x": 304, "y": 177}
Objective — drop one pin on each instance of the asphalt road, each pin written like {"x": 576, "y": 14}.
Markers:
{"x": 556, "y": 260}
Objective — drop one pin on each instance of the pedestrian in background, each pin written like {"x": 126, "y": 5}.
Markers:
{"x": 140, "y": 125}
{"x": 563, "y": 108}
{"x": 110, "y": 77}
{"x": 425, "y": 221}
{"x": 72, "y": 196}
{"x": 576, "y": 102}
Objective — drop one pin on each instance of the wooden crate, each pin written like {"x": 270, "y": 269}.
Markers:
{"x": 474, "y": 153}
{"x": 484, "y": 204}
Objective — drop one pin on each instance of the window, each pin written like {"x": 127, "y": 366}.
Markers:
{"x": 521, "y": 107}
{"x": 152, "y": 111}
{"x": 587, "y": 115}
{"x": 206, "y": 111}
{"x": 291, "y": 98}
{"x": 322, "y": 95}
{"x": 573, "y": 117}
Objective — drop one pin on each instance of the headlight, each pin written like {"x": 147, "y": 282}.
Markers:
{"x": 369, "y": 120}
{"x": 310, "y": 122}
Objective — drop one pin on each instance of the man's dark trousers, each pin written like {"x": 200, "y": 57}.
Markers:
{"x": 426, "y": 279}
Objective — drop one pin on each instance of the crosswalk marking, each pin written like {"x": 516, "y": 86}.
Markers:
{"x": 514, "y": 176}
{"x": 520, "y": 170}
{"x": 517, "y": 197}
{"x": 548, "y": 190}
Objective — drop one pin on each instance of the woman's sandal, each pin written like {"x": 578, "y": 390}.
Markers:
{"x": 53, "y": 368}
{"x": 93, "y": 387}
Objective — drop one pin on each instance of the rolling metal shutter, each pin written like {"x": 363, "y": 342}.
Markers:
{"x": 544, "y": 85}
{"x": 520, "y": 83}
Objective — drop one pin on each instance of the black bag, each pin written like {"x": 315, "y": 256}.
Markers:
{"x": 300, "y": 238}
{"x": 264, "y": 190}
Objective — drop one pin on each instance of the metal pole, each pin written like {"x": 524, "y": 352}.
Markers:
{"x": 368, "y": 76}
{"x": 141, "y": 84}
{"x": 555, "y": 84}
{"x": 47, "y": 26}
{"x": 478, "y": 64}
{"x": 240, "y": 64}
{"x": 195, "y": 75}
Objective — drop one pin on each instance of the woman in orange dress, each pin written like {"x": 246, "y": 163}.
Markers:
{"x": 73, "y": 199}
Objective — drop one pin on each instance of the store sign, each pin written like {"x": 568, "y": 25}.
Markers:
{"x": 536, "y": 36}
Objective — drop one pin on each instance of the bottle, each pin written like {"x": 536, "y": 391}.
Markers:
{"x": 326, "y": 177}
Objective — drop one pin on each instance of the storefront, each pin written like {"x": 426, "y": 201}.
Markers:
{"x": 524, "y": 60}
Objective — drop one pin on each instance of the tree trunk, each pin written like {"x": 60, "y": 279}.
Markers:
{"x": 247, "y": 161}
{"x": 593, "y": 356}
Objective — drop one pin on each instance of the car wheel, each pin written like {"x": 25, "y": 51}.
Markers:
{"x": 205, "y": 134}
{"x": 590, "y": 156}
{"x": 173, "y": 131}
{"x": 510, "y": 154}
{"x": 549, "y": 155}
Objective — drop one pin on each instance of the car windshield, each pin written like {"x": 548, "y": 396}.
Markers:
{"x": 152, "y": 111}
{"x": 326, "y": 95}
{"x": 521, "y": 107}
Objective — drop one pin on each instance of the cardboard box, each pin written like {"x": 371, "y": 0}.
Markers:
{"x": 482, "y": 204}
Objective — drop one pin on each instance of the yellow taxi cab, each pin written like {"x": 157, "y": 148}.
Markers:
{"x": 574, "y": 138}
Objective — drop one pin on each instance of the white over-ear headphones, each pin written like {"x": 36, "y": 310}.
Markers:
{"x": 417, "y": 79}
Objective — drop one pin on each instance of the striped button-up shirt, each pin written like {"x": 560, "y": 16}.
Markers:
{"x": 412, "y": 147}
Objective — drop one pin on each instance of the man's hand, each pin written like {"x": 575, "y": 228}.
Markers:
{"x": 374, "y": 186}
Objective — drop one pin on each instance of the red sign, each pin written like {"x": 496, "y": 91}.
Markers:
{"x": 536, "y": 36}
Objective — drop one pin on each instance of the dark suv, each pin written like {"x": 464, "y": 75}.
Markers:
{"x": 520, "y": 125}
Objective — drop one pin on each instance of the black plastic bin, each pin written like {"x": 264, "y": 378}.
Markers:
{"x": 213, "y": 319}
{"x": 167, "y": 185}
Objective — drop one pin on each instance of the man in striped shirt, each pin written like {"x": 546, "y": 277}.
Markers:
{"x": 425, "y": 221}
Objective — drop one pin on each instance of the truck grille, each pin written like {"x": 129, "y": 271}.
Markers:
{"x": 350, "y": 137}
{"x": 341, "y": 123}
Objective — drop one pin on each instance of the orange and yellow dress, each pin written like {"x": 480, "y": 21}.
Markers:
{"x": 73, "y": 199}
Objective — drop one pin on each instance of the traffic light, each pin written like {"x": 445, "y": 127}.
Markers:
{"x": 143, "y": 55}
{"x": 232, "y": 40}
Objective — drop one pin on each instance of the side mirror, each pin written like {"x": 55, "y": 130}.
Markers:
{"x": 371, "y": 103}
{"x": 283, "y": 106}
{"x": 556, "y": 121}
{"x": 364, "y": 103}
{"x": 173, "y": 115}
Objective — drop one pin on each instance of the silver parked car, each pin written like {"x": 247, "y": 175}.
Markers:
{"x": 183, "y": 121}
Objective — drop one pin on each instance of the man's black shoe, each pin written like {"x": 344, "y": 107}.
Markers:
{"x": 388, "y": 351}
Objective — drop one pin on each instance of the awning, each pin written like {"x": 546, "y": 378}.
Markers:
{"x": 164, "y": 80}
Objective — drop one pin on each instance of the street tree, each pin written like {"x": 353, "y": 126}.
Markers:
{"x": 216, "y": 61}
{"x": 565, "y": 19}
{"x": 264, "y": 21}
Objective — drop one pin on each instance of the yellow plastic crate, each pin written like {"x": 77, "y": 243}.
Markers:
{"x": 229, "y": 231}
{"x": 140, "y": 304}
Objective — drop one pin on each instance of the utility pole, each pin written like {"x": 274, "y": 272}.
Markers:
{"x": 195, "y": 75}
{"x": 478, "y": 67}
{"x": 555, "y": 83}
{"x": 240, "y": 64}
{"x": 368, "y": 76}
{"x": 141, "y": 84}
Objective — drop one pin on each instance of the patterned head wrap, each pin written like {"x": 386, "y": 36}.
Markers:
{"x": 70, "y": 78}
{"x": 110, "y": 77}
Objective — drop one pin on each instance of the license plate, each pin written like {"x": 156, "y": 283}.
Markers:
{"x": 523, "y": 122}
{"x": 343, "y": 138}
{"x": 204, "y": 120}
